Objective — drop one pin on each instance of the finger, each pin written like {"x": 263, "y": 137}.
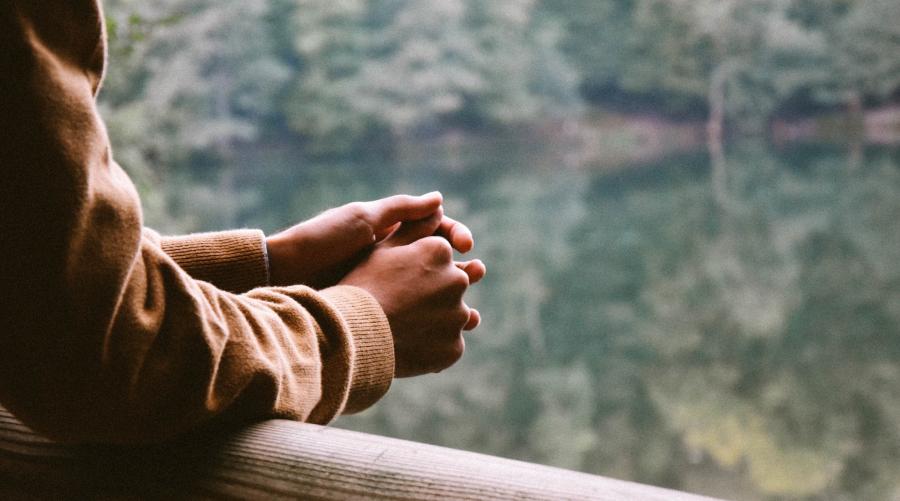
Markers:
{"x": 474, "y": 268}
{"x": 474, "y": 320}
{"x": 382, "y": 233}
{"x": 459, "y": 236}
{"x": 409, "y": 232}
{"x": 389, "y": 211}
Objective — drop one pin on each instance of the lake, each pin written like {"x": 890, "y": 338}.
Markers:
{"x": 731, "y": 330}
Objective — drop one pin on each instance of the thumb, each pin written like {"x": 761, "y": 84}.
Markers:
{"x": 411, "y": 231}
{"x": 387, "y": 212}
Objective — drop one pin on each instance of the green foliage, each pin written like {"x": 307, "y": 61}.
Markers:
{"x": 352, "y": 74}
{"x": 189, "y": 79}
{"x": 404, "y": 65}
{"x": 596, "y": 34}
{"x": 868, "y": 41}
{"x": 669, "y": 53}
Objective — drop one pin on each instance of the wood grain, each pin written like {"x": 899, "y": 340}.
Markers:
{"x": 287, "y": 460}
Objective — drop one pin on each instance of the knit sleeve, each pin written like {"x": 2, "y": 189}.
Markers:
{"x": 104, "y": 336}
{"x": 235, "y": 260}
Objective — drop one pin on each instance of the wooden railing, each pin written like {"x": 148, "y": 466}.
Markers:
{"x": 284, "y": 459}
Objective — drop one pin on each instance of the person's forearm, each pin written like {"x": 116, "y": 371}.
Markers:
{"x": 235, "y": 261}
{"x": 105, "y": 338}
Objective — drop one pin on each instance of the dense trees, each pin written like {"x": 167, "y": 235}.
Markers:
{"x": 189, "y": 79}
{"x": 404, "y": 65}
{"x": 341, "y": 73}
{"x": 192, "y": 81}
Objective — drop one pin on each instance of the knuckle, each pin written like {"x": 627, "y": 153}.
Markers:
{"x": 358, "y": 210}
{"x": 459, "y": 280}
{"x": 439, "y": 248}
{"x": 461, "y": 317}
{"x": 360, "y": 217}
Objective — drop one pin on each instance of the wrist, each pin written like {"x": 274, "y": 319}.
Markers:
{"x": 280, "y": 252}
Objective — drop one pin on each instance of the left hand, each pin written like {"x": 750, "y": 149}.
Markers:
{"x": 321, "y": 251}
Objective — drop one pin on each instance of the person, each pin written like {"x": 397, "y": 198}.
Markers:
{"x": 111, "y": 333}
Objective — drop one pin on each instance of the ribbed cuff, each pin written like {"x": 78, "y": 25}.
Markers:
{"x": 373, "y": 345}
{"x": 231, "y": 260}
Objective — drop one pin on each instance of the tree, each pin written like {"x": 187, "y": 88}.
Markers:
{"x": 596, "y": 35}
{"x": 189, "y": 78}
{"x": 403, "y": 65}
{"x": 867, "y": 44}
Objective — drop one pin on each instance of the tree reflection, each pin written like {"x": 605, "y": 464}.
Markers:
{"x": 783, "y": 332}
{"x": 636, "y": 328}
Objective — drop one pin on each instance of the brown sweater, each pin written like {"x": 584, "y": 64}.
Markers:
{"x": 110, "y": 333}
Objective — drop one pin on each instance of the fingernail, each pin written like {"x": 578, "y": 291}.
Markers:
{"x": 432, "y": 194}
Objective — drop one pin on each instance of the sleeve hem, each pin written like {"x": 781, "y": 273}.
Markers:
{"x": 373, "y": 344}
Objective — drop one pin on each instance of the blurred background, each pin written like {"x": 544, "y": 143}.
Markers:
{"x": 689, "y": 210}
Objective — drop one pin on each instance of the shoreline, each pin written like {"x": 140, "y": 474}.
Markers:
{"x": 613, "y": 140}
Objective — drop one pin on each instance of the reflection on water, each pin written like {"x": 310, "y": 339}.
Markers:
{"x": 737, "y": 337}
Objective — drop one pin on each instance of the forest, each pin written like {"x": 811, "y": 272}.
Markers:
{"x": 689, "y": 209}
{"x": 355, "y": 76}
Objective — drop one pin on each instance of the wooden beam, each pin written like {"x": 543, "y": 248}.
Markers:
{"x": 288, "y": 460}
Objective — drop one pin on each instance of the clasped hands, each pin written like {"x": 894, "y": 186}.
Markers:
{"x": 400, "y": 250}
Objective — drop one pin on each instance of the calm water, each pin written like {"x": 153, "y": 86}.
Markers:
{"x": 731, "y": 330}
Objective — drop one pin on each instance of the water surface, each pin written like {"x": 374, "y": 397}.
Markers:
{"x": 730, "y": 329}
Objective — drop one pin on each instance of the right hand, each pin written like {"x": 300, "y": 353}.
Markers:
{"x": 413, "y": 276}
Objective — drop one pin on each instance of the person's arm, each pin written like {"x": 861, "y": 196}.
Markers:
{"x": 103, "y": 336}
{"x": 235, "y": 260}
{"x": 317, "y": 252}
